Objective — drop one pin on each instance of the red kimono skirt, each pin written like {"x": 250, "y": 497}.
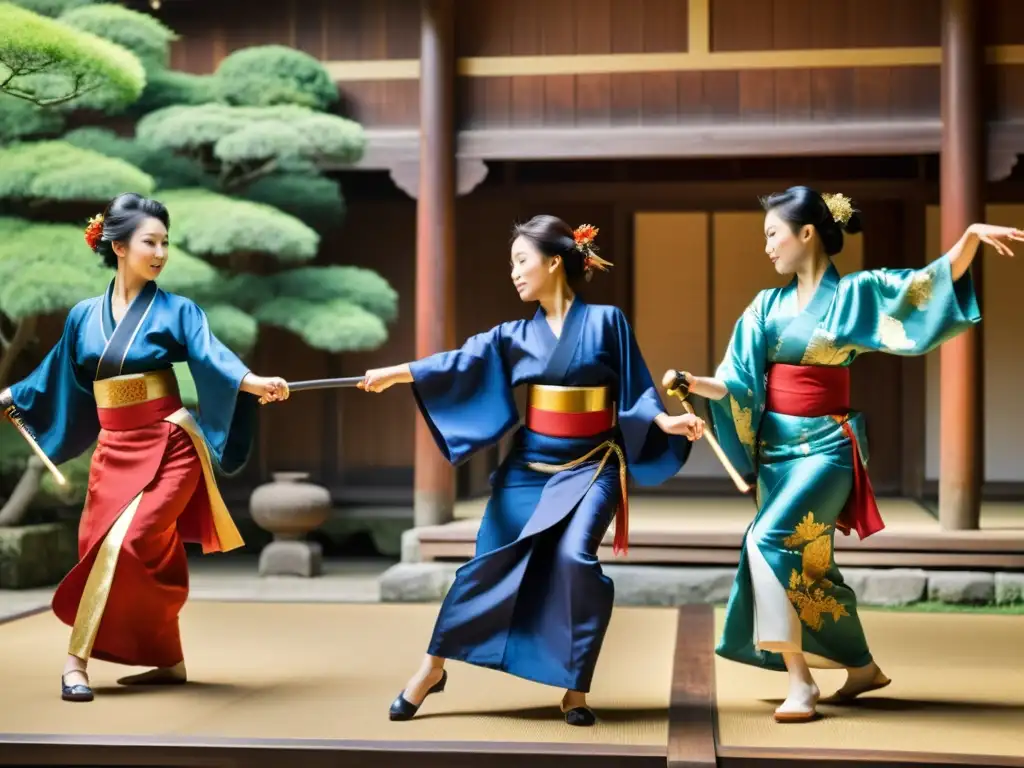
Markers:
{"x": 151, "y": 489}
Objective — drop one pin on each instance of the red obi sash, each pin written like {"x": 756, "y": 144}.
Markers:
{"x": 581, "y": 412}
{"x": 810, "y": 391}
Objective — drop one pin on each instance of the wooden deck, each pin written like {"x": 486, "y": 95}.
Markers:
{"x": 709, "y": 531}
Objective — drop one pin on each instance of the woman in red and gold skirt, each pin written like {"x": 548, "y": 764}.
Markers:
{"x": 109, "y": 381}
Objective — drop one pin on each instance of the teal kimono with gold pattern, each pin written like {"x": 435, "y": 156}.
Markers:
{"x": 788, "y": 595}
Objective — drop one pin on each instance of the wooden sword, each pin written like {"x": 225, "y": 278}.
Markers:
{"x": 676, "y": 386}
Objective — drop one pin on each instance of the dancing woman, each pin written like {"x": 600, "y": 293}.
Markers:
{"x": 780, "y": 406}
{"x": 533, "y": 601}
{"x": 151, "y": 481}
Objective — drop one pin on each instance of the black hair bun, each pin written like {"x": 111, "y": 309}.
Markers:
{"x": 853, "y": 225}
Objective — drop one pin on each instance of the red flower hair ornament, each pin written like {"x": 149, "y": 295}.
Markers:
{"x": 584, "y": 236}
{"x": 94, "y": 231}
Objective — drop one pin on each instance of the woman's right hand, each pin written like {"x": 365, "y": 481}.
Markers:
{"x": 379, "y": 379}
{"x": 688, "y": 425}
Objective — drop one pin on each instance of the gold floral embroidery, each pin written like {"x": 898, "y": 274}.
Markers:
{"x": 822, "y": 349}
{"x": 892, "y": 333}
{"x": 805, "y": 532}
{"x": 744, "y": 420}
{"x": 807, "y": 586}
{"x": 919, "y": 293}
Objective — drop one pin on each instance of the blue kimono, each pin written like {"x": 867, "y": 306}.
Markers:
{"x": 56, "y": 404}
{"x": 533, "y": 601}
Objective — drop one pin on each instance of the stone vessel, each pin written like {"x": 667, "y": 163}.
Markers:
{"x": 290, "y": 507}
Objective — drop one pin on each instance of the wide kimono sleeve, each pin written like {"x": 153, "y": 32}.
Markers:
{"x": 227, "y": 415}
{"x": 55, "y": 403}
{"x": 465, "y": 395}
{"x": 909, "y": 311}
{"x": 736, "y": 417}
{"x": 651, "y": 455}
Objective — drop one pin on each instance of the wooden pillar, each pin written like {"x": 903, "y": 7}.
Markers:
{"x": 434, "y": 494}
{"x": 961, "y": 458}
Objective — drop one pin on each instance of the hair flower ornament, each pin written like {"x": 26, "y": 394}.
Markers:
{"x": 584, "y": 236}
{"x": 94, "y": 231}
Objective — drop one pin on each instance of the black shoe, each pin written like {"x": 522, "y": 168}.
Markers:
{"x": 580, "y": 716}
{"x": 403, "y": 710}
{"x": 77, "y": 692}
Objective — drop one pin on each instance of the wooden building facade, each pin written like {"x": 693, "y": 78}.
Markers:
{"x": 661, "y": 122}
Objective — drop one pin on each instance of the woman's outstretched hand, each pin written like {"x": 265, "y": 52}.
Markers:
{"x": 379, "y": 379}
{"x": 998, "y": 237}
{"x": 270, "y": 389}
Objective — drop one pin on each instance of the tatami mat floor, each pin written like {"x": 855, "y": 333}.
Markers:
{"x": 330, "y": 671}
{"x": 958, "y": 688}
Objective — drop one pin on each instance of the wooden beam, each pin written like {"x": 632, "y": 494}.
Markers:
{"x": 961, "y": 431}
{"x": 697, "y": 59}
{"x": 434, "y": 483}
{"x": 698, "y": 27}
{"x": 388, "y": 147}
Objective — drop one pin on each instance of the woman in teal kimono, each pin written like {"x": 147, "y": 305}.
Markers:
{"x": 779, "y": 405}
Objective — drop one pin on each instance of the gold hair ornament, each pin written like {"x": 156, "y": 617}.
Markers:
{"x": 840, "y": 206}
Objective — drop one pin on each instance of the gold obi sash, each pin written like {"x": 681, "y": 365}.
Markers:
{"x": 135, "y": 389}
{"x": 137, "y": 400}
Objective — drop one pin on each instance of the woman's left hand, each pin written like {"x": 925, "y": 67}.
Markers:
{"x": 272, "y": 389}
{"x": 998, "y": 237}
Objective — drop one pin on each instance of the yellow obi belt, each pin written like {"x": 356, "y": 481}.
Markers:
{"x": 569, "y": 411}
{"x": 136, "y": 400}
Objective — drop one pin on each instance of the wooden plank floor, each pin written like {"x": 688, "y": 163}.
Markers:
{"x": 709, "y": 531}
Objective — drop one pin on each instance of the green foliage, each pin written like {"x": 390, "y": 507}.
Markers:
{"x": 185, "y": 274}
{"x": 46, "y": 268}
{"x": 309, "y": 197}
{"x": 21, "y": 119}
{"x": 76, "y": 473}
{"x": 236, "y": 328}
{"x": 56, "y": 170}
{"x": 140, "y": 33}
{"x": 335, "y": 308}
{"x": 14, "y": 456}
{"x": 46, "y": 62}
{"x": 361, "y": 287}
{"x": 165, "y": 88}
{"x": 52, "y": 8}
{"x": 10, "y": 226}
{"x": 167, "y": 169}
{"x": 335, "y": 326}
{"x": 207, "y": 224}
{"x": 252, "y": 141}
{"x": 338, "y": 309}
{"x": 266, "y": 75}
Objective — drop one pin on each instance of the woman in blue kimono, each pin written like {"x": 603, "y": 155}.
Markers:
{"x": 533, "y": 601}
{"x": 151, "y": 481}
{"x": 780, "y": 407}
